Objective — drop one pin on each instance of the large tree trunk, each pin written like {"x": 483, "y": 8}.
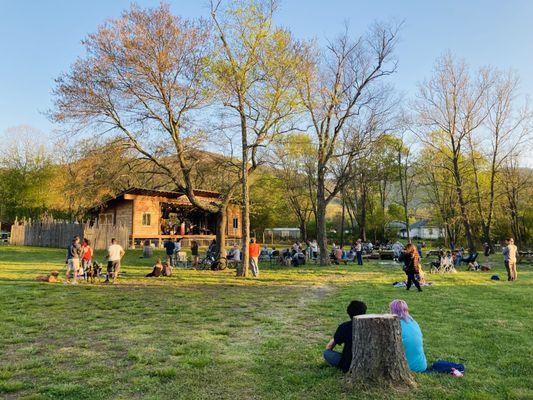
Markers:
{"x": 378, "y": 355}
{"x": 462, "y": 205}
{"x": 303, "y": 229}
{"x": 246, "y": 203}
{"x": 321, "y": 230}
{"x": 342, "y": 222}
{"x": 407, "y": 225}
{"x": 221, "y": 232}
{"x": 362, "y": 220}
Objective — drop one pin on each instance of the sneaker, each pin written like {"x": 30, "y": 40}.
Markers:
{"x": 455, "y": 372}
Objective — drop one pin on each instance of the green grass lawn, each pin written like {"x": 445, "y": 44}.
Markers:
{"x": 209, "y": 335}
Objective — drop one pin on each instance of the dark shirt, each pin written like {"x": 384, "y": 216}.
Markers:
{"x": 343, "y": 335}
{"x": 169, "y": 247}
{"x": 409, "y": 262}
{"x": 74, "y": 251}
{"x": 194, "y": 249}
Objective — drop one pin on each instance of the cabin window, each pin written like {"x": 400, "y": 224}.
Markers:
{"x": 235, "y": 223}
{"x": 106, "y": 219}
{"x": 147, "y": 219}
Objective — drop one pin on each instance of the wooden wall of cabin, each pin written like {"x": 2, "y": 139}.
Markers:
{"x": 233, "y": 221}
{"x": 124, "y": 214}
{"x": 146, "y": 205}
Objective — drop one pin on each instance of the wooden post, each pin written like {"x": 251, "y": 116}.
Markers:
{"x": 378, "y": 355}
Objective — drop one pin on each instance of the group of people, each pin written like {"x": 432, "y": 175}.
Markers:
{"x": 412, "y": 338}
{"x": 450, "y": 260}
{"x": 160, "y": 269}
{"x": 338, "y": 254}
{"x": 254, "y": 251}
{"x": 301, "y": 252}
{"x": 80, "y": 259}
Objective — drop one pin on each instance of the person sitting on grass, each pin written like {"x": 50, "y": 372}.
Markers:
{"x": 234, "y": 255}
{"x": 343, "y": 335}
{"x": 412, "y": 339}
{"x": 167, "y": 269}
{"x": 158, "y": 269}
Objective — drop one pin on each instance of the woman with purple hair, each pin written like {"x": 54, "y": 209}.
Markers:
{"x": 412, "y": 339}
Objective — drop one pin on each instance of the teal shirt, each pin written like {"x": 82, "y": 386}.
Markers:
{"x": 413, "y": 344}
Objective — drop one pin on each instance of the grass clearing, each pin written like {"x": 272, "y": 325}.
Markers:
{"x": 210, "y": 335}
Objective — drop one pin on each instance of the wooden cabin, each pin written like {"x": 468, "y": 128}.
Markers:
{"x": 157, "y": 215}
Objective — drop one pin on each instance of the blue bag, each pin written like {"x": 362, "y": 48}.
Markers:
{"x": 445, "y": 367}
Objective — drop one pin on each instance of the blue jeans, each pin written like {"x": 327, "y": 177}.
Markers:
{"x": 332, "y": 357}
{"x": 359, "y": 257}
{"x": 254, "y": 265}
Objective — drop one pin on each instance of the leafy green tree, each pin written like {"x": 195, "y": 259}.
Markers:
{"x": 26, "y": 176}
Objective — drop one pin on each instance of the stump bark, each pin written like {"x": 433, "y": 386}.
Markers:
{"x": 378, "y": 355}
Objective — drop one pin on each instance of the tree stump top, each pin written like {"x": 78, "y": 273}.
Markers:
{"x": 381, "y": 316}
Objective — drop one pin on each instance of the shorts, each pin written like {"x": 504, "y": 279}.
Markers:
{"x": 113, "y": 267}
{"x": 73, "y": 264}
{"x": 86, "y": 264}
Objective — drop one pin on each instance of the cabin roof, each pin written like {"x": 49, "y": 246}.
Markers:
{"x": 171, "y": 195}
{"x": 168, "y": 193}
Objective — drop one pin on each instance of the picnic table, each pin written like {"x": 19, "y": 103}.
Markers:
{"x": 386, "y": 255}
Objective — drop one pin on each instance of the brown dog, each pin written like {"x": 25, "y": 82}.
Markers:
{"x": 51, "y": 277}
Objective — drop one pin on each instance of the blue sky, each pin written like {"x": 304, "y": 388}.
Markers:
{"x": 40, "y": 39}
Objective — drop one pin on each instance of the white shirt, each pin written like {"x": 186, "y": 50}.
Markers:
{"x": 114, "y": 251}
{"x": 235, "y": 254}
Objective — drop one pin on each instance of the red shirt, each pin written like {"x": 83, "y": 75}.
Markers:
{"x": 87, "y": 253}
{"x": 254, "y": 249}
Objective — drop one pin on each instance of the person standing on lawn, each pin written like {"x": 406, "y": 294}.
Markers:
{"x": 169, "y": 249}
{"x": 254, "y": 250}
{"x": 87, "y": 254}
{"x": 359, "y": 251}
{"x": 419, "y": 249}
{"x": 411, "y": 261}
{"x": 486, "y": 249}
{"x": 74, "y": 252}
{"x": 194, "y": 253}
{"x": 509, "y": 257}
{"x": 344, "y": 335}
{"x": 115, "y": 252}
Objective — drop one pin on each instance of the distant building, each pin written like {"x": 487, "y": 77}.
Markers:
{"x": 422, "y": 230}
{"x": 395, "y": 225}
{"x": 281, "y": 234}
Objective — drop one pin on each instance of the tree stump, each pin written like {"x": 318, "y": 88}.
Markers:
{"x": 378, "y": 355}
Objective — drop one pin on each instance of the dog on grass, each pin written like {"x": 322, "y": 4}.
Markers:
{"x": 52, "y": 277}
{"x": 93, "y": 272}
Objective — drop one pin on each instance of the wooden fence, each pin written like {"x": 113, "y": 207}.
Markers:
{"x": 54, "y": 233}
